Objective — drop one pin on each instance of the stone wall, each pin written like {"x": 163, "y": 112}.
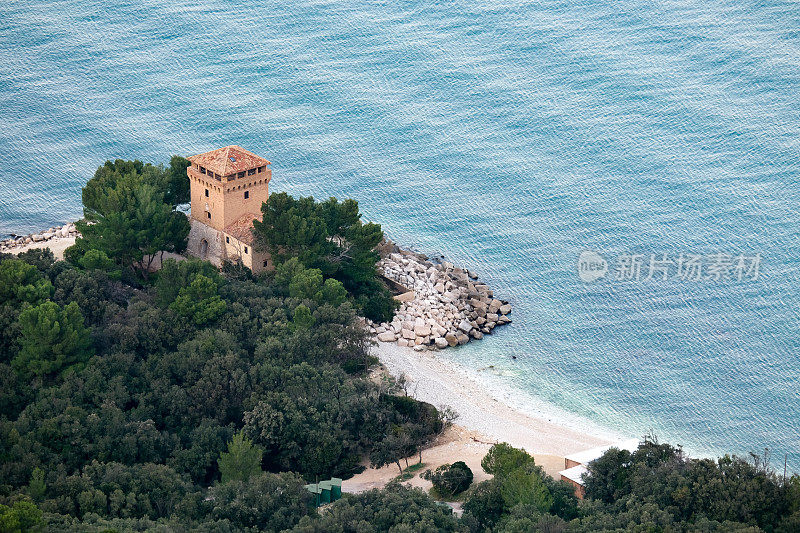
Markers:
{"x": 449, "y": 307}
{"x": 212, "y": 250}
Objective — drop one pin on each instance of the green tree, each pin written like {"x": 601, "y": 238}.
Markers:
{"x": 175, "y": 275}
{"x": 485, "y": 503}
{"x": 241, "y": 461}
{"x": 37, "y": 487}
{"x": 329, "y": 240}
{"x": 128, "y": 220}
{"x": 266, "y": 502}
{"x": 22, "y": 516}
{"x": 608, "y": 475}
{"x": 503, "y": 458}
{"x": 171, "y": 182}
{"x": 526, "y": 485}
{"x": 395, "y": 508}
{"x": 52, "y": 338}
{"x": 302, "y": 318}
{"x": 96, "y": 260}
{"x": 200, "y": 301}
{"x": 177, "y": 188}
{"x": 450, "y": 479}
{"x": 21, "y": 283}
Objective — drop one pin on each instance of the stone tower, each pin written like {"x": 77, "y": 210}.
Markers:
{"x": 228, "y": 186}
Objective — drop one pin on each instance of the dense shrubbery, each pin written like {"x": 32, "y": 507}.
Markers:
{"x": 450, "y": 479}
{"x": 129, "y": 402}
{"x": 136, "y": 395}
{"x": 655, "y": 488}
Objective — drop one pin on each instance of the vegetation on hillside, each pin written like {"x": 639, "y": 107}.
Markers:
{"x": 200, "y": 400}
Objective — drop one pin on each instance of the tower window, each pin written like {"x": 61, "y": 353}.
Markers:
{"x": 240, "y": 174}
{"x": 261, "y": 169}
{"x": 208, "y": 214}
{"x": 206, "y": 193}
{"x": 246, "y": 195}
{"x": 202, "y": 170}
{"x": 245, "y": 249}
{"x": 251, "y": 171}
{"x": 266, "y": 263}
{"x": 228, "y": 240}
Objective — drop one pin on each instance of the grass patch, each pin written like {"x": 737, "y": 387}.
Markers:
{"x": 410, "y": 472}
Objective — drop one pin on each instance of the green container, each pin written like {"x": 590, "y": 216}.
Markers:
{"x": 315, "y": 489}
{"x": 325, "y": 491}
{"x": 336, "y": 488}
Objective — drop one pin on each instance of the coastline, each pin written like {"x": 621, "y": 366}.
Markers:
{"x": 481, "y": 408}
{"x": 485, "y": 414}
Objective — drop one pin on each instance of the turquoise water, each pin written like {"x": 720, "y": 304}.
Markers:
{"x": 510, "y": 138}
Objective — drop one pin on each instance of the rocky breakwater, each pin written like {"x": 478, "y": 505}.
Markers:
{"x": 445, "y": 305}
{"x": 67, "y": 230}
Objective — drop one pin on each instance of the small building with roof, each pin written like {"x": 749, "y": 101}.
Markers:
{"x": 227, "y": 187}
{"x": 575, "y": 464}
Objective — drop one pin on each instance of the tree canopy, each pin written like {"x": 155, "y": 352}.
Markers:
{"x": 330, "y": 242}
{"x": 129, "y": 215}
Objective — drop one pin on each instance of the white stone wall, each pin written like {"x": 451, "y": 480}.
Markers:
{"x": 200, "y": 232}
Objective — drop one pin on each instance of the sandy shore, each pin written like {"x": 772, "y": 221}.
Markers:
{"x": 482, "y": 421}
{"x": 441, "y": 383}
{"x": 56, "y": 244}
{"x": 457, "y": 443}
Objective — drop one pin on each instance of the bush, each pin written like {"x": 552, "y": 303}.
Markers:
{"x": 450, "y": 480}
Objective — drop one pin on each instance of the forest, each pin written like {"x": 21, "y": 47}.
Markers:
{"x": 199, "y": 399}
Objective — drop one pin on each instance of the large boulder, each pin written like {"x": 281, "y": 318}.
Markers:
{"x": 465, "y": 326}
{"x": 505, "y": 309}
{"x": 422, "y": 331}
{"x": 408, "y": 334}
{"x": 451, "y": 338}
{"x": 441, "y": 342}
{"x": 462, "y": 338}
{"x": 387, "y": 336}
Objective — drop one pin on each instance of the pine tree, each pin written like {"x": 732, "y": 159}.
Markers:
{"x": 241, "y": 461}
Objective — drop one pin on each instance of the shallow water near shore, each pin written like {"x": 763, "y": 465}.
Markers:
{"x": 510, "y": 138}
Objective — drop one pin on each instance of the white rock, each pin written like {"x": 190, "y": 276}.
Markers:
{"x": 386, "y": 336}
{"x": 440, "y": 342}
{"x": 465, "y": 326}
{"x": 422, "y": 331}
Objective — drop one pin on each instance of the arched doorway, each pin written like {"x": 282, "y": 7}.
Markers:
{"x": 204, "y": 249}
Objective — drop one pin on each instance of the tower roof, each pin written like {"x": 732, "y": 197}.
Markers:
{"x": 228, "y": 160}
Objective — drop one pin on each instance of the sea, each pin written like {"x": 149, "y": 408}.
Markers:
{"x": 625, "y": 173}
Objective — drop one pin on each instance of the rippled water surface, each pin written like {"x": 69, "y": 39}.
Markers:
{"x": 511, "y": 138}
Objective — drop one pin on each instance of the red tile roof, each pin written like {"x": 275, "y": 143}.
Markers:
{"x": 228, "y": 160}
{"x": 242, "y": 228}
